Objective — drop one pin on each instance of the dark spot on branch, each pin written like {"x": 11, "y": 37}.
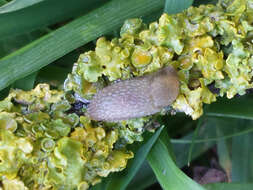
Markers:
{"x": 213, "y": 89}
{"x": 78, "y": 108}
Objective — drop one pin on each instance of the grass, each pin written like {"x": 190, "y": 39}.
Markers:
{"x": 43, "y": 48}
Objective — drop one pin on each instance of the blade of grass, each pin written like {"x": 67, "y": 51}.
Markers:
{"x": 229, "y": 186}
{"x": 238, "y": 107}
{"x": 223, "y": 152}
{"x": 213, "y": 139}
{"x": 15, "y": 5}
{"x": 2, "y": 2}
{"x": 60, "y": 42}
{"x": 145, "y": 176}
{"x": 26, "y": 83}
{"x": 9, "y": 45}
{"x": 242, "y": 156}
{"x": 193, "y": 141}
{"x": 166, "y": 171}
{"x": 4, "y": 93}
{"x": 120, "y": 180}
{"x": 202, "y": 143}
{"x": 143, "y": 179}
{"x": 201, "y": 2}
{"x": 99, "y": 186}
{"x": 176, "y": 6}
{"x": 52, "y": 75}
{"x": 33, "y": 17}
{"x": 181, "y": 150}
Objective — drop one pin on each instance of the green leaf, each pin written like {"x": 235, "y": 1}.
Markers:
{"x": 223, "y": 149}
{"x": 60, "y": 42}
{"x": 211, "y": 136}
{"x": 9, "y": 45}
{"x": 152, "y": 17}
{"x": 26, "y": 83}
{"x": 181, "y": 149}
{"x": 166, "y": 171}
{"x": 242, "y": 156}
{"x": 176, "y": 6}
{"x": 3, "y": 2}
{"x": 143, "y": 179}
{"x": 120, "y": 180}
{"x": 238, "y": 107}
{"x": 145, "y": 176}
{"x": 193, "y": 140}
{"x": 4, "y": 93}
{"x": 229, "y": 186}
{"x": 15, "y": 5}
{"x": 201, "y": 2}
{"x": 53, "y": 75}
{"x": 234, "y": 154}
{"x": 33, "y": 17}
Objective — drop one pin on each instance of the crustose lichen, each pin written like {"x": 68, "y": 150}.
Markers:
{"x": 46, "y": 144}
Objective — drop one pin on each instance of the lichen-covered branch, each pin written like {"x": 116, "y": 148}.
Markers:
{"x": 47, "y": 142}
{"x": 44, "y": 147}
{"x": 208, "y": 45}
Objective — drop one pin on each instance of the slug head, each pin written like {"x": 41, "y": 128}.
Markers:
{"x": 164, "y": 87}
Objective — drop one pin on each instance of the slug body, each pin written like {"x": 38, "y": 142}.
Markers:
{"x": 136, "y": 97}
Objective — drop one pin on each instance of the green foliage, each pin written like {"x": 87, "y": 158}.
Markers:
{"x": 15, "y": 22}
{"x": 227, "y": 186}
{"x": 45, "y": 144}
{"x": 16, "y": 5}
{"x": 174, "y": 6}
{"x": 168, "y": 174}
{"x": 71, "y": 36}
{"x": 121, "y": 180}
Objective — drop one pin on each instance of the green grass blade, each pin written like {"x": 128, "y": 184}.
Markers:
{"x": 143, "y": 179}
{"x": 26, "y": 83}
{"x": 9, "y": 45}
{"x": 223, "y": 152}
{"x": 242, "y": 156}
{"x": 239, "y": 107}
{"x": 3, "y": 2}
{"x": 232, "y": 127}
{"x": 201, "y": 2}
{"x": 181, "y": 150}
{"x": 120, "y": 180}
{"x": 52, "y": 75}
{"x": 33, "y": 17}
{"x": 145, "y": 176}
{"x": 60, "y": 42}
{"x": 4, "y": 93}
{"x": 99, "y": 186}
{"x": 15, "y": 5}
{"x": 176, "y": 6}
{"x": 168, "y": 174}
{"x": 196, "y": 132}
{"x": 229, "y": 186}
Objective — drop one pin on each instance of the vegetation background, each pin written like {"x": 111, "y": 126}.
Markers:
{"x": 41, "y": 39}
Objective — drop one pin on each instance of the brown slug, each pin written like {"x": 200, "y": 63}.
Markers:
{"x": 136, "y": 97}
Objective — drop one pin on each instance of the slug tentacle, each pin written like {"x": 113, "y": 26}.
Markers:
{"x": 137, "y": 97}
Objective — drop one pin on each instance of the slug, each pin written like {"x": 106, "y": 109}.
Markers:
{"x": 136, "y": 97}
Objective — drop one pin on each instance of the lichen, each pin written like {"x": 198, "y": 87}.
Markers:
{"x": 47, "y": 142}
{"x": 207, "y": 45}
{"x": 43, "y": 146}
